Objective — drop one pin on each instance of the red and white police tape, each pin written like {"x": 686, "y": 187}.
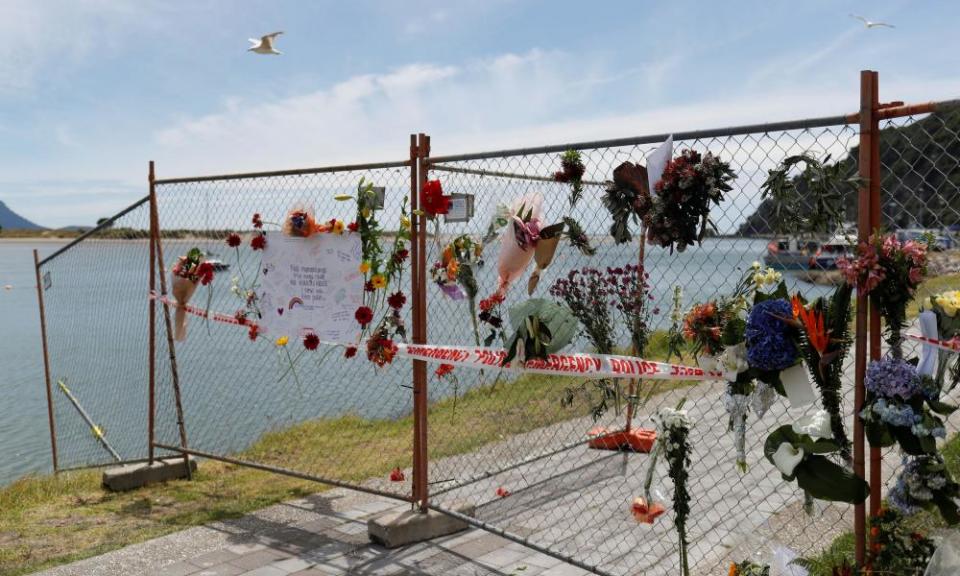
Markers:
{"x": 578, "y": 364}
{"x": 953, "y": 345}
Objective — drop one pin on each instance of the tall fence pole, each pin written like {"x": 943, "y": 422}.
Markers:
{"x": 415, "y": 305}
{"x": 151, "y": 401}
{"x": 876, "y": 458}
{"x": 46, "y": 362}
{"x": 419, "y": 234}
{"x": 860, "y": 365}
{"x": 174, "y": 373}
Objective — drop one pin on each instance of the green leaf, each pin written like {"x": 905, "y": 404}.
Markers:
{"x": 828, "y": 481}
{"x": 559, "y": 320}
{"x": 941, "y": 408}
{"x": 948, "y": 508}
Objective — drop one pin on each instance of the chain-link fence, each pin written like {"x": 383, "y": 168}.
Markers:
{"x": 513, "y": 447}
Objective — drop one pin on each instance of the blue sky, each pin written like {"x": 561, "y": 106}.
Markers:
{"x": 90, "y": 90}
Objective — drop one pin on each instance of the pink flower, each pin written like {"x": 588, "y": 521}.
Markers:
{"x": 916, "y": 276}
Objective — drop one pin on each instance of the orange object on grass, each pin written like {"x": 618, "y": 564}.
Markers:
{"x": 637, "y": 439}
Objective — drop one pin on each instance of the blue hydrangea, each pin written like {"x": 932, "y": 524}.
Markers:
{"x": 895, "y": 414}
{"x": 769, "y": 345}
{"x": 892, "y": 378}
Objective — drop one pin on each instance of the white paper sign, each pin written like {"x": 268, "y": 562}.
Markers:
{"x": 311, "y": 285}
{"x": 657, "y": 161}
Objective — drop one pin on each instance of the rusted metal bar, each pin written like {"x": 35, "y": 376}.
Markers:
{"x": 860, "y": 359}
{"x": 635, "y": 383}
{"x": 294, "y": 172}
{"x": 655, "y": 138}
{"x": 152, "y": 311}
{"x": 876, "y": 457}
{"x": 103, "y": 225}
{"x": 415, "y": 257}
{"x": 283, "y": 471}
{"x": 46, "y": 362}
{"x": 498, "y": 174}
{"x": 174, "y": 373}
{"x": 419, "y": 225}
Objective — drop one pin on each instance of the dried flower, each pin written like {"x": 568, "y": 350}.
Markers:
{"x": 234, "y": 240}
{"x": 364, "y": 315}
{"x": 397, "y": 300}
{"x": 311, "y": 341}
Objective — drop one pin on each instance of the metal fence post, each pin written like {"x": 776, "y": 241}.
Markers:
{"x": 46, "y": 362}
{"x": 863, "y": 232}
{"x": 152, "y": 354}
{"x": 419, "y": 245}
{"x": 876, "y": 458}
{"x": 174, "y": 373}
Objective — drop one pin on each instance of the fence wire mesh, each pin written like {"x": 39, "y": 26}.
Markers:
{"x": 97, "y": 340}
{"x": 488, "y": 433}
{"x": 576, "y": 501}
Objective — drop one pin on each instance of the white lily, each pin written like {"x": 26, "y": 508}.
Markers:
{"x": 787, "y": 457}
{"x": 817, "y": 425}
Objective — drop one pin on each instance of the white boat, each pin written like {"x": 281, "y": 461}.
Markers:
{"x": 790, "y": 253}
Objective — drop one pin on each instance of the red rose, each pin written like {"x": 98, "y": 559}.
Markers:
{"x": 396, "y": 475}
{"x": 350, "y": 352}
{"x": 311, "y": 341}
{"x": 432, "y": 200}
{"x": 364, "y": 315}
{"x": 443, "y": 370}
{"x": 396, "y": 300}
{"x": 254, "y": 332}
{"x": 257, "y": 222}
{"x": 233, "y": 240}
{"x": 353, "y": 226}
{"x": 258, "y": 242}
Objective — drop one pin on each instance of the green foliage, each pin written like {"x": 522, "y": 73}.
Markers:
{"x": 542, "y": 326}
{"x": 813, "y": 201}
{"x": 816, "y": 474}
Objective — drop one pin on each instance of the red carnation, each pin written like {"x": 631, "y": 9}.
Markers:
{"x": 396, "y": 300}
{"x": 205, "y": 273}
{"x": 257, "y": 222}
{"x": 432, "y": 200}
{"x": 311, "y": 341}
{"x": 353, "y": 226}
{"x": 258, "y": 242}
{"x": 350, "y": 352}
{"x": 254, "y": 332}
{"x": 396, "y": 475}
{"x": 443, "y": 370}
{"x": 401, "y": 256}
{"x": 233, "y": 240}
{"x": 368, "y": 286}
{"x": 364, "y": 315}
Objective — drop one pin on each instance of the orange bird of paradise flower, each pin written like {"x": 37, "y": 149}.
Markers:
{"x": 814, "y": 323}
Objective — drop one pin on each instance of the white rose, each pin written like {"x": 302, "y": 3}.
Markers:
{"x": 787, "y": 457}
{"x": 674, "y": 418}
{"x": 816, "y": 425}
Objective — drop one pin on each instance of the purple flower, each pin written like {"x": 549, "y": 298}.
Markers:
{"x": 769, "y": 344}
{"x": 892, "y": 377}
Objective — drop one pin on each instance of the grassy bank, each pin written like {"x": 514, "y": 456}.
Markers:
{"x": 50, "y": 520}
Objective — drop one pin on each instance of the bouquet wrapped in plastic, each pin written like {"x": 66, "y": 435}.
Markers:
{"x": 189, "y": 272}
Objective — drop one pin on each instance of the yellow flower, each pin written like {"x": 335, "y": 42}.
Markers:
{"x": 338, "y": 227}
{"x": 364, "y": 267}
{"x": 404, "y": 222}
{"x": 755, "y": 265}
{"x": 366, "y": 212}
{"x": 378, "y": 281}
{"x": 282, "y": 341}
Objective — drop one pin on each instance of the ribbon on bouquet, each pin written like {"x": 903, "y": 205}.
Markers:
{"x": 478, "y": 357}
{"x": 953, "y": 345}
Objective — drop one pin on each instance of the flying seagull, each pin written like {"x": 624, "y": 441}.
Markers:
{"x": 265, "y": 44}
{"x": 871, "y": 23}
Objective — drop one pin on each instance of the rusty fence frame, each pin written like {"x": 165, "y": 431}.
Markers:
{"x": 420, "y": 162}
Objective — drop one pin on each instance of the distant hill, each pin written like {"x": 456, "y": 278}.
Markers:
{"x": 10, "y": 220}
{"x": 921, "y": 177}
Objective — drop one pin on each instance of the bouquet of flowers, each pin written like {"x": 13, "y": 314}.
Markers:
{"x": 801, "y": 452}
{"x": 519, "y": 240}
{"x": 189, "y": 272}
{"x": 454, "y": 274}
{"x": 939, "y": 320}
{"x": 571, "y": 171}
{"x": 925, "y": 483}
{"x": 673, "y": 434}
{"x": 491, "y": 316}
{"x": 748, "y": 568}
{"x": 541, "y": 327}
{"x": 894, "y": 549}
{"x": 824, "y": 328}
{"x": 679, "y": 211}
{"x": 627, "y": 197}
{"x": 901, "y": 406}
{"x": 586, "y": 294}
{"x": 890, "y": 272}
